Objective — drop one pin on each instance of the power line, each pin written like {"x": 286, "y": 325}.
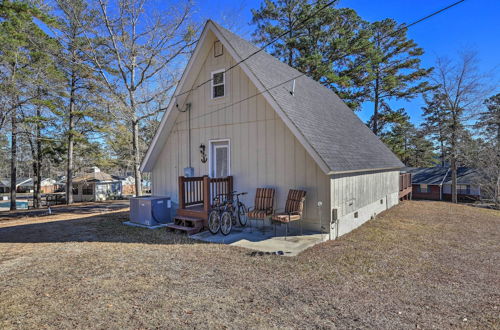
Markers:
{"x": 433, "y": 14}
{"x": 265, "y": 46}
{"x": 406, "y": 26}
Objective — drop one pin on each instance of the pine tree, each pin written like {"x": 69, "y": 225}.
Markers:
{"x": 488, "y": 121}
{"x": 488, "y": 125}
{"x": 436, "y": 123}
{"x": 395, "y": 67}
{"x": 328, "y": 46}
{"x": 85, "y": 95}
{"x": 404, "y": 139}
{"x": 24, "y": 66}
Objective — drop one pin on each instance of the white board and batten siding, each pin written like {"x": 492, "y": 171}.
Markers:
{"x": 264, "y": 152}
{"x": 360, "y": 196}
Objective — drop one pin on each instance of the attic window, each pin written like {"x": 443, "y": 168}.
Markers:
{"x": 218, "y": 48}
{"x": 218, "y": 82}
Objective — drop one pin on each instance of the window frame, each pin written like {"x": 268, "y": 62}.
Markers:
{"x": 211, "y": 156}
{"x": 223, "y": 71}
{"x": 85, "y": 190}
{"x": 461, "y": 191}
{"x": 426, "y": 191}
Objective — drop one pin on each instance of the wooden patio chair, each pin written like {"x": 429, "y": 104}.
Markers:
{"x": 294, "y": 209}
{"x": 263, "y": 208}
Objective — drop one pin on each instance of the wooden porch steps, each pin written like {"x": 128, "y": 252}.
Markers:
{"x": 188, "y": 225}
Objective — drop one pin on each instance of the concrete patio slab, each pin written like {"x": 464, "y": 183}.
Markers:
{"x": 255, "y": 239}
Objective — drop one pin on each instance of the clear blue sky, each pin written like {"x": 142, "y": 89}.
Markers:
{"x": 473, "y": 24}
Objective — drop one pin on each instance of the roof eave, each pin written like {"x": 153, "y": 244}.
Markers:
{"x": 366, "y": 170}
{"x": 146, "y": 165}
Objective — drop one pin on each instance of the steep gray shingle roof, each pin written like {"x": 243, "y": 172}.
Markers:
{"x": 330, "y": 127}
{"x": 442, "y": 174}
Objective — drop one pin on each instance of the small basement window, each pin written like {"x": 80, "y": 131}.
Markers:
{"x": 218, "y": 84}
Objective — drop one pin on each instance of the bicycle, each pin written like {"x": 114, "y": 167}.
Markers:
{"x": 214, "y": 216}
{"x": 224, "y": 213}
{"x": 234, "y": 209}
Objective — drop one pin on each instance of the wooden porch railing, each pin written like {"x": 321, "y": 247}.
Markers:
{"x": 201, "y": 190}
{"x": 405, "y": 186}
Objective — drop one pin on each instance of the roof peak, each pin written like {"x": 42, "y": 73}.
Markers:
{"x": 331, "y": 133}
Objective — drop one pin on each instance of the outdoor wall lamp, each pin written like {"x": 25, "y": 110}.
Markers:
{"x": 203, "y": 153}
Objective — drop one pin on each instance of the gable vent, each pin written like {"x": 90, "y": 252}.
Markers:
{"x": 218, "y": 48}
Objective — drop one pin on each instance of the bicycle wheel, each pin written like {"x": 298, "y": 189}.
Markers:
{"x": 226, "y": 223}
{"x": 214, "y": 222}
{"x": 242, "y": 214}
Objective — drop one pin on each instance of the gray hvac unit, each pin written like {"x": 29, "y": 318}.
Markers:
{"x": 150, "y": 210}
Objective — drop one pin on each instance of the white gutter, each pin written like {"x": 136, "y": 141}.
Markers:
{"x": 366, "y": 170}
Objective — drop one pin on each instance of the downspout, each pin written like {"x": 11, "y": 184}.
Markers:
{"x": 441, "y": 185}
{"x": 188, "y": 109}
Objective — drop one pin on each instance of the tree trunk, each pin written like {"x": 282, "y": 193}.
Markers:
{"x": 71, "y": 126}
{"x": 137, "y": 157}
{"x": 375, "y": 107}
{"x": 454, "y": 198}
{"x": 443, "y": 161}
{"x": 454, "y": 161}
{"x": 497, "y": 193}
{"x": 13, "y": 161}
{"x": 37, "y": 197}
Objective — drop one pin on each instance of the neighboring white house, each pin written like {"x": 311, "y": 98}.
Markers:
{"x": 96, "y": 186}
{"x": 267, "y": 125}
{"x": 23, "y": 185}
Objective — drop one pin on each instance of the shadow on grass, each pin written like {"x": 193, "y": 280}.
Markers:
{"x": 97, "y": 228}
{"x": 76, "y": 208}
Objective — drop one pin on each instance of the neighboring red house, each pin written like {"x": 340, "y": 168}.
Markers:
{"x": 48, "y": 186}
{"x": 434, "y": 183}
{"x": 128, "y": 185}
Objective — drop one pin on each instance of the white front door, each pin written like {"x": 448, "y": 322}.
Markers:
{"x": 219, "y": 158}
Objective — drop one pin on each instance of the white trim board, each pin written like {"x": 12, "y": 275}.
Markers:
{"x": 210, "y": 155}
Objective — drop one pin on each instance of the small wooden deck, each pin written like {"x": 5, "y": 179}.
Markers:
{"x": 405, "y": 187}
{"x": 195, "y": 200}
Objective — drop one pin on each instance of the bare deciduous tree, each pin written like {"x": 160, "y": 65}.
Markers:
{"x": 142, "y": 47}
{"x": 460, "y": 91}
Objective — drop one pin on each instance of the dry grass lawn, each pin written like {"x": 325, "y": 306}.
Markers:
{"x": 418, "y": 265}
